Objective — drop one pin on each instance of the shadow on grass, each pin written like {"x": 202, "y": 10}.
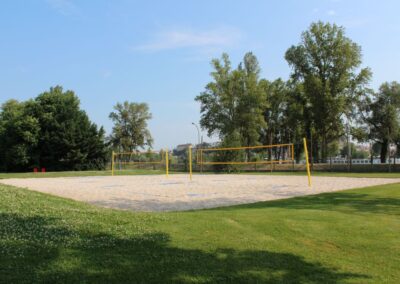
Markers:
{"x": 45, "y": 250}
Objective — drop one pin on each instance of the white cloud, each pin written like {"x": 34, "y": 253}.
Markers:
{"x": 178, "y": 38}
{"x": 64, "y": 7}
{"x": 331, "y": 12}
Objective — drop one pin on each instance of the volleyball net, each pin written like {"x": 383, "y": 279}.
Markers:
{"x": 210, "y": 159}
{"x": 252, "y": 155}
{"x": 139, "y": 160}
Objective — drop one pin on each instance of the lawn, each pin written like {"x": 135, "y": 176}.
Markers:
{"x": 79, "y": 174}
{"x": 158, "y": 172}
{"x": 345, "y": 237}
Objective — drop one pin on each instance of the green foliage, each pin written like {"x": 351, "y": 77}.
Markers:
{"x": 19, "y": 135}
{"x": 380, "y": 113}
{"x": 356, "y": 153}
{"x": 130, "y": 126}
{"x": 277, "y": 95}
{"x": 333, "y": 148}
{"x": 52, "y": 132}
{"x": 326, "y": 89}
{"x": 283, "y": 113}
{"x": 68, "y": 140}
{"x": 231, "y": 140}
{"x": 233, "y": 103}
{"x": 360, "y": 133}
{"x": 326, "y": 63}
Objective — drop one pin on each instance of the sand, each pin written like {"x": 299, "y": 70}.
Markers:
{"x": 177, "y": 192}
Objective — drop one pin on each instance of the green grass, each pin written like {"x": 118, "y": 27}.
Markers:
{"x": 161, "y": 172}
{"x": 78, "y": 174}
{"x": 337, "y": 174}
{"x": 345, "y": 237}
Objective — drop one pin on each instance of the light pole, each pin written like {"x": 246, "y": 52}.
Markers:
{"x": 198, "y": 145}
{"x": 198, "y": 133}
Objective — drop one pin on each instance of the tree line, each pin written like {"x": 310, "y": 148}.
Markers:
{"x": 49, "y": 131}
{"x": 326, "y": 99}
{"x": 52, "y": 132}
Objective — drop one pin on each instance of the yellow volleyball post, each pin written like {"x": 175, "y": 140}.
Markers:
{"x": 190, "y": 162}
{"x": 307, "y": 164}
{"x": 166, "y": 162}
{"x": 112, "y": 163}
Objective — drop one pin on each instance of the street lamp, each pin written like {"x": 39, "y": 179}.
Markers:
{"x": 198, "y": 132}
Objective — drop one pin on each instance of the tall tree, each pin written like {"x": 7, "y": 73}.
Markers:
{"x": 130, "y": 130}
{"x": 232, "y": 104}
{"x": 326, "y": 63}
{"x": 67, "y": 138}
{"x": 19, "y": 135}
{"x": 252, "y": 101}
{"x": 276, "y": 111}
{"x": 381, "y": 113}
{"x": 283, "y": 114}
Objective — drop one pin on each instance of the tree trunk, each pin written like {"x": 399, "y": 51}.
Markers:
{"x": 297, "y": 152}
{"x": 384, "y": 151}
{"x": 372, "y": 154}
{"x": 316, "y": 152}
{"x": 270, "y": 150}
{"x": 324, "y": 149}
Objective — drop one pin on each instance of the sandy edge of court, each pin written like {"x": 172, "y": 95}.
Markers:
{"x": 177, "y": 193}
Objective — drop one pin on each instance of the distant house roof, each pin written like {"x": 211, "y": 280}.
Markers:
{"x": 183, "y": 146}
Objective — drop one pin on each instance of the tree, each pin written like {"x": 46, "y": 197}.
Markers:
{"x": 326, "y": 63}
{"x": 49, "y": 131}
{"x": 232, "y": 105}
{"x": 130, "y": 126}
{"x": 67, "y": 138}
{"x": 356, "y": 153}
{"x": 19, "y": 135}
{"x": 381, "y": 117}
{"x": 275, "y": 112}
{"x": 252, "y": 102}
{"x": 284, "y": 114}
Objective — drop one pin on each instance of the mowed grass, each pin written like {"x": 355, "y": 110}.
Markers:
{"x": 345, "y": 237}
{"x": 80, "y": 173}
{"x": 161, "y": 172}
{"x": 337, "y": 174}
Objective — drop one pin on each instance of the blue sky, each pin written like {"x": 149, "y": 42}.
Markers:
{"x": 159, "y": 52}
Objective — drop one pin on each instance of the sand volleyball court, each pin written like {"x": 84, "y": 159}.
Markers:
{"x": 177, "y": 192}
